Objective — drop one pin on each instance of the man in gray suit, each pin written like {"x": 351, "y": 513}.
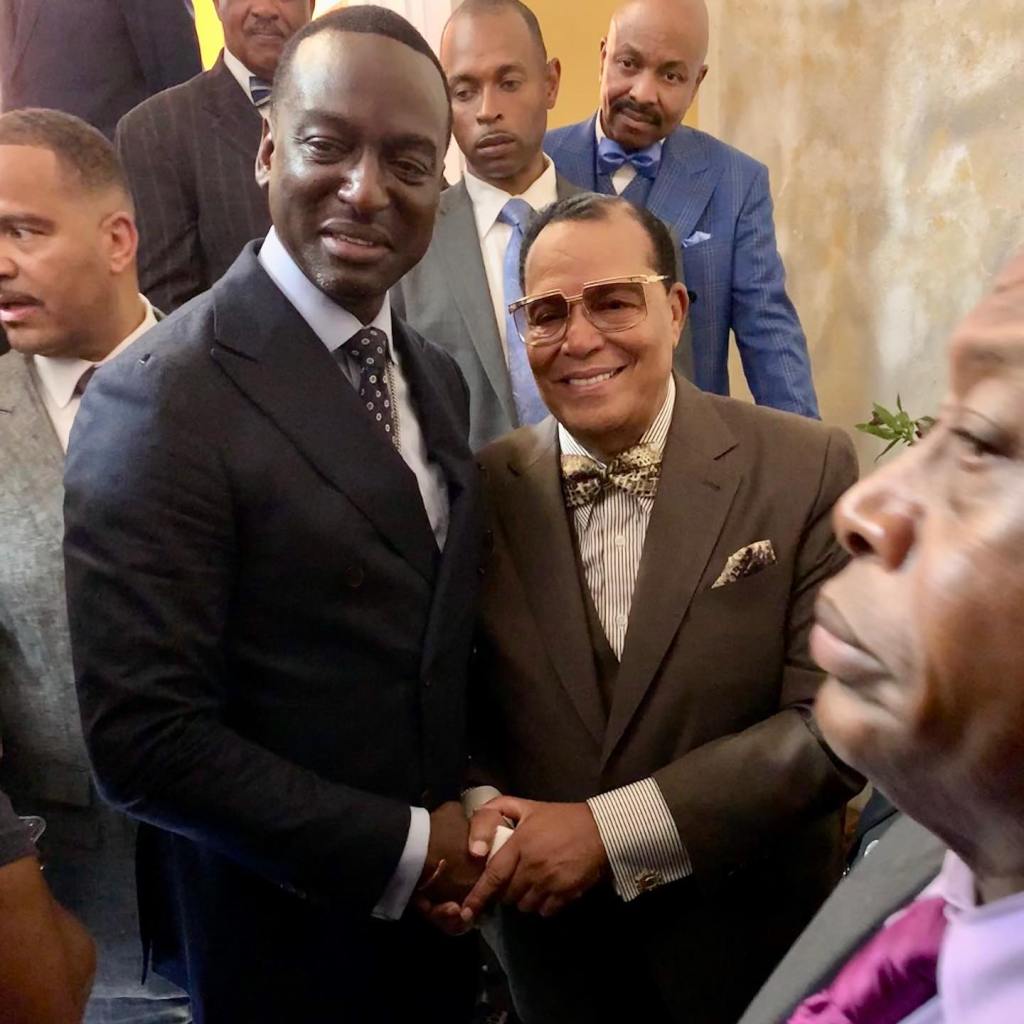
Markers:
{"x": 921, "y": 638}
{"x": 190, "y": 155}
{"x": 502, "y": 86}
{"x": 69, "y": 300}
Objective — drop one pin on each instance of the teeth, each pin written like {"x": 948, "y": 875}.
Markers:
{"x": 580, "y": 382}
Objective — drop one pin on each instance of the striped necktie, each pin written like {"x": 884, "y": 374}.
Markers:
{"x": 259, "y": 91}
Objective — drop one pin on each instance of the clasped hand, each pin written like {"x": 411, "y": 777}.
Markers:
{"x": 553, "y": 857}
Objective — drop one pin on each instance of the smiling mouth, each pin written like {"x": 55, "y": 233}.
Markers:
{"x": 591, "y": 380}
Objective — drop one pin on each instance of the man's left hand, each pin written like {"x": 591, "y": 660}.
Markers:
{"x": 553, "y": 857}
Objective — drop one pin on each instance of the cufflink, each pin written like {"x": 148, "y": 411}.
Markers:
{"x": 648, "y": 880}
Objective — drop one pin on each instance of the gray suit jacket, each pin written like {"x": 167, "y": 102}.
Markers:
{"x": 190, "y": 156}
{"x": 905, "y": 860}
{"x": 446, "y": 298}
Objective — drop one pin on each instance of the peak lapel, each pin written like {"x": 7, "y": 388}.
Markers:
{"x": 531, "y": 509}
{"x": 458, "y": 246}
{"x": 272, "y": 355}
{"x": 685, "y": 182}
{"x": 236, "y": 120}
{"x": 697, "y": 487}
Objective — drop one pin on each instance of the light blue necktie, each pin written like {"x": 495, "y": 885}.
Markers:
{"x": 530, "y": 407}
{"x": 259, "y": 90}
{"x": 611, "y": 156}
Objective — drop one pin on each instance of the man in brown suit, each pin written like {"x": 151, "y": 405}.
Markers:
{"x": 646, "y": 687}
{"x": 190, "y": 155}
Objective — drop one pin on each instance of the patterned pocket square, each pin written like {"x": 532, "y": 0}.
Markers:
{"x": 695, "y": 239}
{"x": 746, "y": 562}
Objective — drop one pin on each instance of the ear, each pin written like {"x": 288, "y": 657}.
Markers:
{"x": 553, "y": 81}
{"x": 701, "y": 75}
{"x": 121, "y": 238}
{"x": 264, "y": 155}
{"x": 604, "y": 57}
{"x": 679, "y": 306}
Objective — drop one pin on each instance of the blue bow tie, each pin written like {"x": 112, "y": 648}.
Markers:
{"x": 611, "y": 156}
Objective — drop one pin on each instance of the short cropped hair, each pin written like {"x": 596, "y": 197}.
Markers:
{"x": 82, "y": 150}
{"x": 497, "y": 6}
{"x": 367, "y": 18}
{"x": 592, "y": 206}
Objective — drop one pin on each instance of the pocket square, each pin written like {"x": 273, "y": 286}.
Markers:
{"x": 746, "y": 562}
{"x": 695, "y": 239}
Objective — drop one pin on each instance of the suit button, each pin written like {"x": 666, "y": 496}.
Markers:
{"x": 353, "y": 576}
{"x": 648, "y": 880}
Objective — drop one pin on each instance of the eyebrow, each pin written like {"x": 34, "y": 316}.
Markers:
{"x": 504, "y": 69}
{"x": 26, "y": 220}
{"x": 627, "y": 50}
{"x": 339, "y": 122}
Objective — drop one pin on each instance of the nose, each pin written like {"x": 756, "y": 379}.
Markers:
{"x": 488, "y": 111}
{"x": 8, "y": 268}
{"x": 879, "y": 516}
{"x": 264, "y": 9}
{"x": 644, "y": 89}
{"x": 581, "y": 336}
{"x": 363, "y": 187}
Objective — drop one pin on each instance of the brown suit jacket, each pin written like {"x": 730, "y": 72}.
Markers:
{"x": 190, "y": 156}
{"x": 712, "y": 698}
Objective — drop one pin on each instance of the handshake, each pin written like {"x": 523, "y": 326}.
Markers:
{"x": 554, "y": 856}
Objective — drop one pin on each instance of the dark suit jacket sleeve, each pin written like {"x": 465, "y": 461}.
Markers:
{"x": 158, "y": 155}
{"x": 152, "y": 567}
{"x": 730, "y": 798}
{"x": 768, "y": 332}
{"x": 164, "y": 34}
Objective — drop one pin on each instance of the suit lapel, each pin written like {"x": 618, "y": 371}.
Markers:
{"x": 235, "y": 119}
{"x": 532, "y": 511}
{"x": 272, "y": 356}
{"x": 685, "y": 182}
{"x": 697, "y": 487}
{"x": 459, "y": 248}
{"x": 25, "y": 426}
{"x": 576, "y": 155}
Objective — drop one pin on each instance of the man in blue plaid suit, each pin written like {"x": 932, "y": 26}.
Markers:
{"x": 715, "y": 199}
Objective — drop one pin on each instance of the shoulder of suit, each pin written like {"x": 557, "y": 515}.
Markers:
{"x": 514, "y": 449}
{"x": 168, "y": 101}
{"x": 717, "y": 151}
{"x": 557, "y": 137}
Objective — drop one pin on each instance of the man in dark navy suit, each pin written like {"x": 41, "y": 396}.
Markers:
{"x": 272, "y": 547}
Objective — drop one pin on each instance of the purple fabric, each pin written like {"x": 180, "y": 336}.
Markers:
{"x": 889, "y": 977}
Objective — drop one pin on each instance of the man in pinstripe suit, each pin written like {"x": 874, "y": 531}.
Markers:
{"x": 190, "y": 155}
{"x": 715, "y": 198}
{"x": 644, "y": 681}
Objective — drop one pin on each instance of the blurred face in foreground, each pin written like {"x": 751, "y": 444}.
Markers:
{"x": 923, "y": 633}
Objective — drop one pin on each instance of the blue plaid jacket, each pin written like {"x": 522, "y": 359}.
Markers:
{"x": 717, "y": 202}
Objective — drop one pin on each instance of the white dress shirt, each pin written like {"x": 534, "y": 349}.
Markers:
{"x": 488, "y": 202}
{"x": 334, "y": 325}
{"x": 627, "y": 172}
{"x": 59, "y": 377}
{"x": 242, "y": 75}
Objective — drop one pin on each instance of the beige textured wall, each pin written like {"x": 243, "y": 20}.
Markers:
{"x": 894, "y": 133}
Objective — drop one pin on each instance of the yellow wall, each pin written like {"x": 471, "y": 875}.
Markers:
{"x": 211, "y": 39}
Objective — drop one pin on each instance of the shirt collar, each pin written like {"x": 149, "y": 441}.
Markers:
{"x": 239, "y": 72}
{"x": 489, "y": 200}
{"x": 656, "y": 434}
{"x": 600, "y": 133}
{"x": 331, "y": 323}
{"x": 60, "y": 375}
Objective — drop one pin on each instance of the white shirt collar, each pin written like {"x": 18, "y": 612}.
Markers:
{"x": 331, "y": 323}
{"x": 600, "y": 134}
{"x": 489, "y": 200}
{"x": 239, "y": 72}
{"x": 60, "y": 375}
{"x": 655, "y": 435}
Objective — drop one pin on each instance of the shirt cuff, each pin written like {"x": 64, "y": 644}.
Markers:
{"x": 641, "y": 839}
{"x": 475, "y": 797}
{"x": 398, "y": 892}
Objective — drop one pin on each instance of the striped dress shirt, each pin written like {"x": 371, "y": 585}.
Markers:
{"x": 639, "y": 835}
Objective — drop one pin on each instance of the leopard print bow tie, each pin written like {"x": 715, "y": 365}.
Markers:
{"x": 635, "y": 471}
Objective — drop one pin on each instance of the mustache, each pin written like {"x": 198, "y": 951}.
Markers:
{"x": 258, "y": 25}
{"x": 645, "y": 111}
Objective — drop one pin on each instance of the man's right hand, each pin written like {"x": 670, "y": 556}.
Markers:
{"x": 449, "y": 842}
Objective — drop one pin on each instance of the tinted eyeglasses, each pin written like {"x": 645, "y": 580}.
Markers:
{"x": 615, "y": 304}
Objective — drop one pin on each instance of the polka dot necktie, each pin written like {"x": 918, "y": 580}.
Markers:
{"x": 369, "y": 349}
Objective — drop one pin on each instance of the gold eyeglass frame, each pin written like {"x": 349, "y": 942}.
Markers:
{"x": 644, "y": 279}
